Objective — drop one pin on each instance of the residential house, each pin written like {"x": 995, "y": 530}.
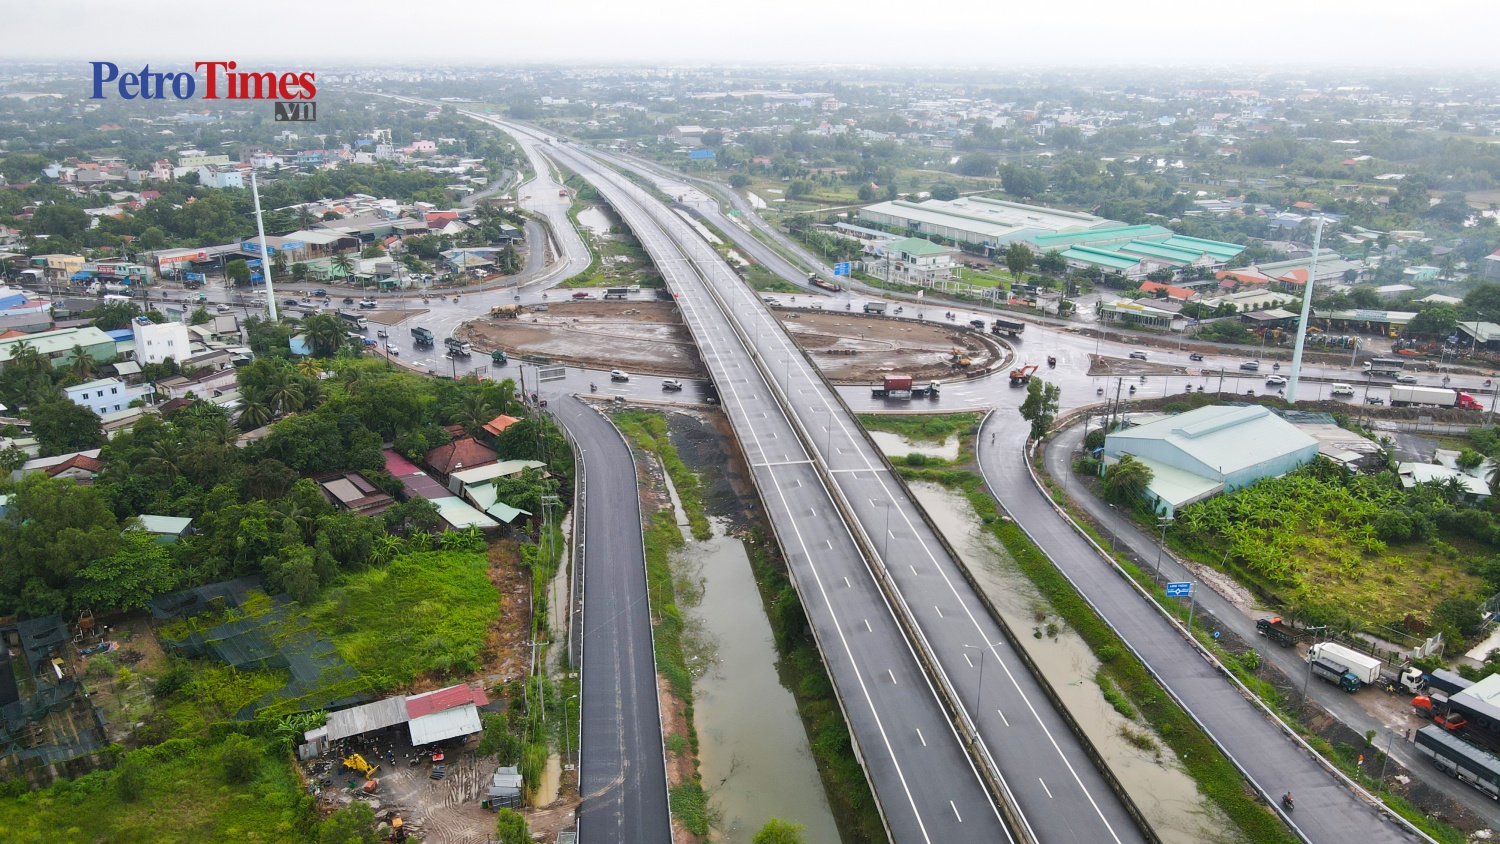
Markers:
{"x": 104, "y": 395}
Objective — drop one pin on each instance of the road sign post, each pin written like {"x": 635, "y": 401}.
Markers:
{"x": 1183, "y": 589}
{"x": 551, "y": 373}
{"x": 841, "y": 268}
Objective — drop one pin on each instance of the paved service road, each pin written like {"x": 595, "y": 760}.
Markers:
{"x": 927, "y": 788}
{"x": 622, "y": 772}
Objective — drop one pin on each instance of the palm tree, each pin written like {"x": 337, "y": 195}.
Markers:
{"x": 473, "y": 412}
{"x": 386, "y": 548}
{"x": 325, "y": 332}
{"x": 82, "y": 365}
{"x": 164, "y": 457}
{"x": 342, "y": 263}
{"x": 285, "y": 393}
{"x": 278, "y": 263}
{"x": 309, "y": 368}
{"x": 254, "y": 413}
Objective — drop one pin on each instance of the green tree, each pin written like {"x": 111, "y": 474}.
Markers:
{"x": 200, "y": 316}
{"x": 1126, "y": 481}
{"x": 60, "y": 221}
{"x": 1469, "y": 459}
{"x": 51, "y": 530}
{"x": 778, "y": 831}
{"x": 510, "y": 827}
{"x": 526, "y": 490}
{"x": 129, "y": 578}
{"x": 278, "y": 263}
{"x": 326, "y": 334}
{"x": 1052, "y": 262}
{"x": 977, "y": 164}
{"x": 1436, "y": 320}
{"x": 63, "y": 427}
{"x": 739, "y": 181}
{"x": 299, "y": 271}
{"x": 1018, "y": 259}
{"x": 239, "y": 758}
{"x": 353, "y": 824}
{"x": 944, "y": 191}
{"x": 1021, "y": 181}
{"x": 1040, "y": 406}
{"x": 238, "y": 271}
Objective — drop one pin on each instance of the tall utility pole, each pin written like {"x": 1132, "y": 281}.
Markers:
{"x": 265, "y": 259}
{"x": 1312, "y": 274}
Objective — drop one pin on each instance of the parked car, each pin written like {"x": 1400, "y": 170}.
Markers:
{"x": 618, "y": 375}
{"x": 1406, "y": 378}
{"x": 1251, "y": 366}
{"x": 1195, "y": 356}
{"x": 671, "y": 385}
{"x": 1137, "y": 355}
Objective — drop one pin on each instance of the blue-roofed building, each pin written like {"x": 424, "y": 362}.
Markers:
{"x": 1203, "y": 452}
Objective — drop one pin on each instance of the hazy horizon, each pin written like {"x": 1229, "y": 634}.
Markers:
{"x": 1274, "y": 36}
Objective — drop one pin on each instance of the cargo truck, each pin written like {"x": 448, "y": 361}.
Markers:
{"x": 457, "y": 347}
{"x": 1273, "y": 629}
{"x": 1007, "y": 326}
{"x": 1336, "y": 673}
{"x": 875, "y": 308}
{"x": 896, "y": 387}
{"x": 819, "y": 281}
{"x": 1364, "y": 667}
{"x": 616, "y": 292}
{"x": 506, "y": 311}
{"x": 1404, "y": 395}
{"x": 354, "y": 321}
{"x": 422, "y": 336}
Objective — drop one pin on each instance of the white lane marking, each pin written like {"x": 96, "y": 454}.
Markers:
{"x": 829, "y": 543}
{"x": 1045, "y": 788}
{"x": 1002, "y": 717}
{"x": 913, "y": 569}
{"x": 847, "y": 584}
{"x": 939, "y": 610}
{"x": 868, "y": 627}
{"x": 955, "y": 812}
{"x": 968, "y": 660}
{"x": 892, "y": 672}
{"x": 780, "y": 463}
{"x": 919, "y": 738}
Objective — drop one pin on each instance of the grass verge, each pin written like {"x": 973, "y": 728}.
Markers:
{"x": 649, "y": 431}
{"x": 933, "y": 428}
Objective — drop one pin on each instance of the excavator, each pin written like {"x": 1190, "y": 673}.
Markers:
{"x": 356, "y": 762}
{"x": 1022, "y": 374}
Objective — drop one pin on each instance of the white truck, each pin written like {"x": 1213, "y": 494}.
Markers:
{"x": 1403, "y": 395}
{"x": 1363, "y": 666}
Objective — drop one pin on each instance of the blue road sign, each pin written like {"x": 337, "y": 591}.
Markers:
{"x": 194, "y": 276}
{"x": 841, "y": 268}
{"x": 1179, "y": 590}
{"x": 253, "y": 262}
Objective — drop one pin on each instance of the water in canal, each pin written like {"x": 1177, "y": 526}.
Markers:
{"x": 895, "y": 445}
{"x": 1164, "y": 792}
{"x": 595, "y": 220}
{"x": 752, "y": 748}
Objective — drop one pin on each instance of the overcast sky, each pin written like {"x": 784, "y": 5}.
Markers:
{"x": 1266, "y": 33}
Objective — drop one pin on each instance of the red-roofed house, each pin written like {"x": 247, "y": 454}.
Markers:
{"x": 1304, "y": 206}
{"x": 1231, "y": 279}
{"x": 464, "y": 453}
{"x": 444, "y": 714}
{"x": 1181, "y": 294}
{"x": 496, "y": 426}
{"x": 443, "y": 699}
{"x": 439, "y": 219}
{"x": 1293, "y": 282}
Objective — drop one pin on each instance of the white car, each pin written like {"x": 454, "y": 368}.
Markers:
{"x": 1406, "y": 378}
{"x": 223, "y": 309}
{"x": 618, "y": 375}
{"x": 1275, "y": 381}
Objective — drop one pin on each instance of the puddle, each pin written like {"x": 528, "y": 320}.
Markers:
{"x": 546, "y": 790}
{"x": 1164, "y": 792}
{"x": 895, "y": 445}
{"x": 595, "y": 220}
{"x": 752, "y": 748}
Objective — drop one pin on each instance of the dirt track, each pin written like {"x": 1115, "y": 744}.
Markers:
{"x": 646, "y": 337}
{"x": 854, "y": 349}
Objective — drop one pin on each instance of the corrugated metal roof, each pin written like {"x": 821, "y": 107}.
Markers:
{"x": 457, "y": 513}
{"x": 1224, "y": 437}
{"x": 439, "y": 726}
{"x": 429, "y": 702}
{"x": 370, "y": 716}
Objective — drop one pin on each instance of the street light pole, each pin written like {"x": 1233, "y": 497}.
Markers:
{"x": 983, "y": 652}
{"x": 1163, "y": 521}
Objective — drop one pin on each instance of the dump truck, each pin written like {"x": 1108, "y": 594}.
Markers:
{"x": 875, "y": 308}
{"x": 1273, "y": 629}
{"x": 422, "y": 336}
{"x": 1364, "y": 667}
{"x": 505, "y": 311}
{"x": 498, "y": 357}
{"x": 1336, "y": 673}
{"x": 1405, "y": 395}
{"x": 1011, "y": 327}
{"x": 1021, "y": 375}
{"x": 457, "y": 347}
{"x": 896, "y": 387}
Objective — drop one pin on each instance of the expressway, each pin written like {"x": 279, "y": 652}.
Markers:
{"x": 927, "y": 786}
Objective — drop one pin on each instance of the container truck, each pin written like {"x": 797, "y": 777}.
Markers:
{"x": 896, "y": 387}
{"x": 1363, "y": 666}
{"x": 1007, "y": 326}
{"x": 1273, "y": 629}
{"x": 875, "y": 308}
{"x": 1336, "y": 673}
{"x": 457, "y": 347}
{"x": 1403, "y": 395}
{"x": 422, "y": 336}
{"x": 616, "y": 292}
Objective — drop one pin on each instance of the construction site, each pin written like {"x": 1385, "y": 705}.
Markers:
{"x": 637, "y": 336}
{"x": 854, "y": 349}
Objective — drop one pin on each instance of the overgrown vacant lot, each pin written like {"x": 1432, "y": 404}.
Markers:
{"x": 425, "y": 613}
{"x": 182, "y": 790}
{"x": 1336, "y": 548}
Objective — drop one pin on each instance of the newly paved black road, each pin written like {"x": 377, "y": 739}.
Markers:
{"x": 622, "y": 771}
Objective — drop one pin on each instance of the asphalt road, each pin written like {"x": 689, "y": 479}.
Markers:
{"x": 622, "y": 774}
{"x": 1060, "y": 794}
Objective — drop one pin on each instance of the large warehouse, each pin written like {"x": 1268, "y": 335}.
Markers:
{"x": 1198, "y": 454}
{"x": 992, "y": 223}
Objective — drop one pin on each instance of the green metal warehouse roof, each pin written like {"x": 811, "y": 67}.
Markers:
{"x": 1117, "y": 234}
{"x": 1217, "y": 248}
{"x": 1155, "y": 249}
{"x": 1100, "y": 258}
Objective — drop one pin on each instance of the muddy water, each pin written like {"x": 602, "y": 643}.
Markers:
{"x": 595, "y": 220}
{"x": 895, "y": 445}
{"x": 1164, "y": 792}
{"x": 753, "y": 750}
{"x": 546, "y": 790}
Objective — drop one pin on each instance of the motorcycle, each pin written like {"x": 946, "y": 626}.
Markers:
{"x": 1132, "y": 389}
{"x": 593, "y": 389}
{"x": 1287, "y": 802}
{"x": 1098, "y": 391}
{"x": 1275, "y": 367}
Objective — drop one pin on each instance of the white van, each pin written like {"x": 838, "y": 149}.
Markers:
{"x": 1340, "y": 390}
